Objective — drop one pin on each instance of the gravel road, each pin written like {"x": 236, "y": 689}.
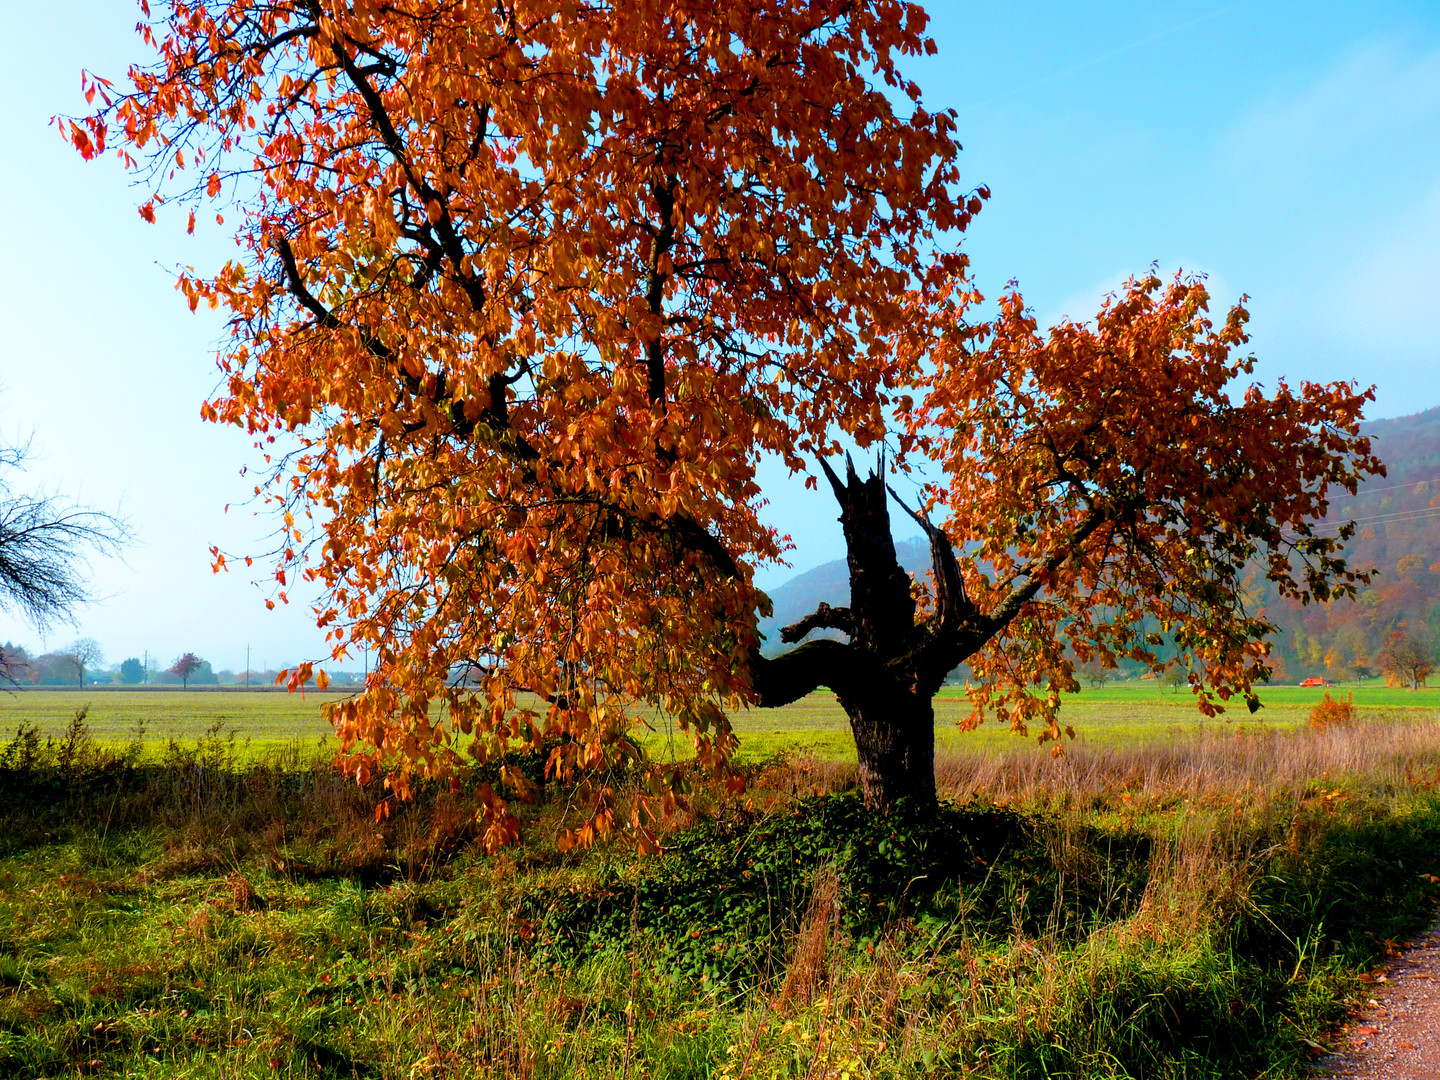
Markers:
{"x": 1398, "y": 1036}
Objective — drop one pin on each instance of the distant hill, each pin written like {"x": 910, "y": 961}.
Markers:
{"x": 1399, "y": 513}
{"x": 1399, "y": 535}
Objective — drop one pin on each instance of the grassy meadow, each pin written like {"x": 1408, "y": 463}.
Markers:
{"x": 268, "y": 721}
{"x": 1171, "y": 899}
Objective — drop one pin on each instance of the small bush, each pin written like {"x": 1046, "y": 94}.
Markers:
{"x": 1331, "y": 712}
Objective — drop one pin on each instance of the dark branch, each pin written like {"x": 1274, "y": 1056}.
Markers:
{"x": 952, "y": 604}
{"x": 792, "y": 675}
{"x": 823, "y": 617}
{"x": 841, "y": 495}
{"x": 655, "y": 291}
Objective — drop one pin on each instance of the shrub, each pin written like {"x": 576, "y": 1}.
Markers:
{"x": 1330, "y": 712}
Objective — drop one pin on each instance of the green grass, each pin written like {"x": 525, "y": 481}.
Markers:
{"x": 1369, "y": 694}
{"x": 1118, "y": 714}
{"x": 264, "y": 721}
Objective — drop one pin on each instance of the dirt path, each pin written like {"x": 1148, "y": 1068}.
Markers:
{"x": 1398, "y": 1036}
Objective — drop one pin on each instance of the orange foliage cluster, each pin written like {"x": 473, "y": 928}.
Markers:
{"x": 1108, "y": 463}
{"x": 1329, "y": 711}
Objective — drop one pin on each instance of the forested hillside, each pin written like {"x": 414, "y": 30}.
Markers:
{"x": 1399, "y": 535}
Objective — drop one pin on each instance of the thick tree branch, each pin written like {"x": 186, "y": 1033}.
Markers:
{"x": 953, "y": 607}
{"x": 841, "y": 494}
{"x": 495, "y": 414}
{"x": 323, "y": 315}
{"x": 823, "y": 617}
{"x": 444, "y": 224}
{"x": 880, "y": 597}
{"x": 655, "y": 291}
{"x": 792, "y": 675}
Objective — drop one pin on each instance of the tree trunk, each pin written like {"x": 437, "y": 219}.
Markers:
{"x": 895, "y": 743}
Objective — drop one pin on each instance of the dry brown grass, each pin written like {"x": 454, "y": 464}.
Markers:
{"x": 808, "y": 968}
{"x": 1209, "y": 764}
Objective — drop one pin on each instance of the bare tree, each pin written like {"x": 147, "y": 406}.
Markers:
{"x": 42, "y": 543}
{"x": 86, "y": 653}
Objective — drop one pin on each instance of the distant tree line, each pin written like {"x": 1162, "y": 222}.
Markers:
{"x": 81, "y": 664}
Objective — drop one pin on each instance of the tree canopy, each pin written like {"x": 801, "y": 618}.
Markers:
{"x": 527, "y": 291}
{"x": 185, "y": 665}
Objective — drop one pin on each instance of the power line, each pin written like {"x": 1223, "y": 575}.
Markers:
{"x": 1367, "y": 490}
{"x": 1424, "y": 514}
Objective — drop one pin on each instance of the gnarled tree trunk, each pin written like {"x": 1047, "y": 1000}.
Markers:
{"x": 895, "y": 744}
{"x": 887, "y": 673}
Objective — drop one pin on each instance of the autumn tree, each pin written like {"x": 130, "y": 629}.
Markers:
{"x": 1173, "y": 677}
{"x": 1406, "y": 659}
{"x": 185, "y": 665}
{"x": 528, "y": 290}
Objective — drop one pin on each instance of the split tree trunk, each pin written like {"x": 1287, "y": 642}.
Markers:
{"x": 886, "y": 675}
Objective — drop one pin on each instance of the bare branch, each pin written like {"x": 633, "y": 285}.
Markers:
{"x": 952, "y": 604}
{"x": 42, "y": 542}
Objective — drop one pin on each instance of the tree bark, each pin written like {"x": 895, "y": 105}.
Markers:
{"x": 895, "y": 745}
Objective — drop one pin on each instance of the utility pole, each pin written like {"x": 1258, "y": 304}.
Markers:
{"x": 247, "y": 667}
{"x": 145, "y": 670}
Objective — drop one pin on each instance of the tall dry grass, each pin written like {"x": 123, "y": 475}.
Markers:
{"x": 1379, "y": 753}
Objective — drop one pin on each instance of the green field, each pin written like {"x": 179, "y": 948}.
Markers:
{"x": 1120, "y": 714}
{"x": 265, "y": 719}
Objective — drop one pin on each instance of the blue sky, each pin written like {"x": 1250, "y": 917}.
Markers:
{"x": 1291, "y": 152}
